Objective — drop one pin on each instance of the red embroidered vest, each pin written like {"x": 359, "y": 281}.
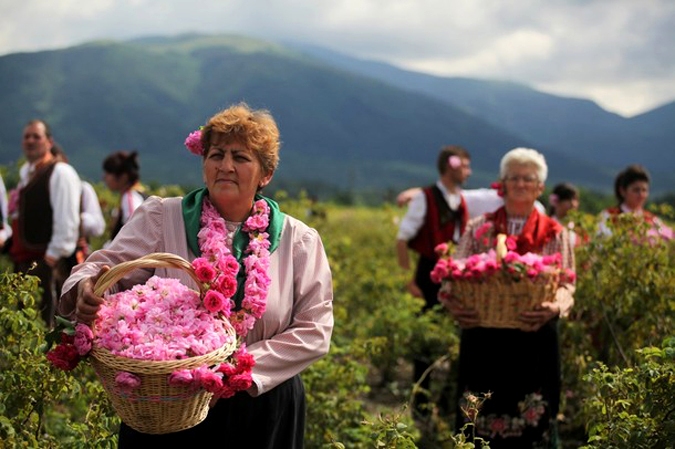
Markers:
{"x": 439, "y": 223}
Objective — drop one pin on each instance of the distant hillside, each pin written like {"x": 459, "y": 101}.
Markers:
{"x": 340, "y": 130}
{"x": 576, "y": 127}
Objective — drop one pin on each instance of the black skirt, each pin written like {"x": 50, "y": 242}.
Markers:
{"x": 273, "y": 420}
{"x": 522, "y": 372}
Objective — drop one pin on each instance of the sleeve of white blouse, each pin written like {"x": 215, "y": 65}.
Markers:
{"x": 6, "y": 230}
{"x": 307, "y": 336}
{"x": 93, "y": 222}
{"x": 565, "y": 295}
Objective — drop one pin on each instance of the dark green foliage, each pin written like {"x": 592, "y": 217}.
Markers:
{"x": 634, "y": 408}
{"x": 41, "y": 406}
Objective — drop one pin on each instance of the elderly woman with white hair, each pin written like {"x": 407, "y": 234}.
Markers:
{"x": 519, "y": 367}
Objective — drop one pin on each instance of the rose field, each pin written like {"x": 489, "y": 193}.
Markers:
{"x": 618, "y": 347}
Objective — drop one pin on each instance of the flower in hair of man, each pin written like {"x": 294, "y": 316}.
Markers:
{"x": 454, "y": 161}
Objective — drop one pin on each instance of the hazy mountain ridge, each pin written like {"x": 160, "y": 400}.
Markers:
{"x": 341, "y": 128}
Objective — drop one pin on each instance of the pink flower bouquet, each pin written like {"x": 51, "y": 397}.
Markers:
{"x": 499, "y": 288}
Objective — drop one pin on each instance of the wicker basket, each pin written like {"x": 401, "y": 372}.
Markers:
{"x": 500, "y": 299}
{"x": 155, "y": 407}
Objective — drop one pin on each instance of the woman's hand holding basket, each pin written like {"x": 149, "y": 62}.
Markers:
{"x": 88, "y": 302}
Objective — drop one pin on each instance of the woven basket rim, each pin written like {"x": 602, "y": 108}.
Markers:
{"x": 152, "y": 260}
{"x": 155, "y": 260}
{"x": 141, "y": 366}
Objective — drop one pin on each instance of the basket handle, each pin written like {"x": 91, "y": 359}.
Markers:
{"x": 152, "y": 260}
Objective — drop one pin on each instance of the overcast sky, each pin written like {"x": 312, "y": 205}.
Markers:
{"x": 619, "y": 53}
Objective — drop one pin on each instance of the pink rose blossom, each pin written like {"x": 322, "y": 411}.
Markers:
{"x": 227, "y": 285}
{"x": 83, "y": 339}
{"x": 214, "y": 301}
{"x": 454, "y": 161}
{"x": 127, "y": 382}
{"x": 209, "y": 380}
{"x": 204, "y": 270}
{"x": 553, "y": 199}
{"x": 193, "y": 143}
{"x": 484, "y": 228}
{"x": 181, "y": 378}
{"x": 441, "y": 248}
{"x": 229, "y": 265}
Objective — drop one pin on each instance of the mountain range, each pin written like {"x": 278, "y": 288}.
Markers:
{"x": 347, "y": 125}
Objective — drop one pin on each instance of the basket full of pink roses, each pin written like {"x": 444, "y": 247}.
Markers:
{"x": 161, "y": 350}
{"x": 500, "y": 284}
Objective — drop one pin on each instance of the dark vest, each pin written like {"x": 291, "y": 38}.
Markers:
{"x": 439, "y": 223}
{"x": 33, "y": 227}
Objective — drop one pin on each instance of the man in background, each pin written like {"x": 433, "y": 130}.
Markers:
{"x": 436, "y": 214}
{"x": 46, "y": 217}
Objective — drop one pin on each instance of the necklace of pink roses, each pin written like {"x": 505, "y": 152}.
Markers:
{"x": 212, "y": 242}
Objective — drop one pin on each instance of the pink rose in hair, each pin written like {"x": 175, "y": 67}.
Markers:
{"x": 193, "y": 143}
{"x": 454, "y": 161}
{"x": 553, "y": 199}
{"x": 499, "y": 187}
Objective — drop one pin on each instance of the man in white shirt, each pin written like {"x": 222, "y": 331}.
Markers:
{"x": 437, "y": 214}
{"x": 46, "y": 221}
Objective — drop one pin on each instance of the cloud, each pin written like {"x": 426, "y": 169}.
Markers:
{"x": 618, "y": 53}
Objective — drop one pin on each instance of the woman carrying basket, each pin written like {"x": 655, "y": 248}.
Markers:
{"x": 239, "y": 148}
{"x": 518, "y": 367}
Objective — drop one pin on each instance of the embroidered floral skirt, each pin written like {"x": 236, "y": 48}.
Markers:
{"x": 273, "y": 420}
{"x": 521, "y": 370}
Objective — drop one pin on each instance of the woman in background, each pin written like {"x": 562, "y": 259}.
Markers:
{"x": 563, "y": 198}
{"x": 631, "y": 189}
{"x": 121, "y": 174}
{"x": 519, "y": 368}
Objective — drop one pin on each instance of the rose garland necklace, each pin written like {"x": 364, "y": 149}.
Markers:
{"x": 219, "y": 268}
